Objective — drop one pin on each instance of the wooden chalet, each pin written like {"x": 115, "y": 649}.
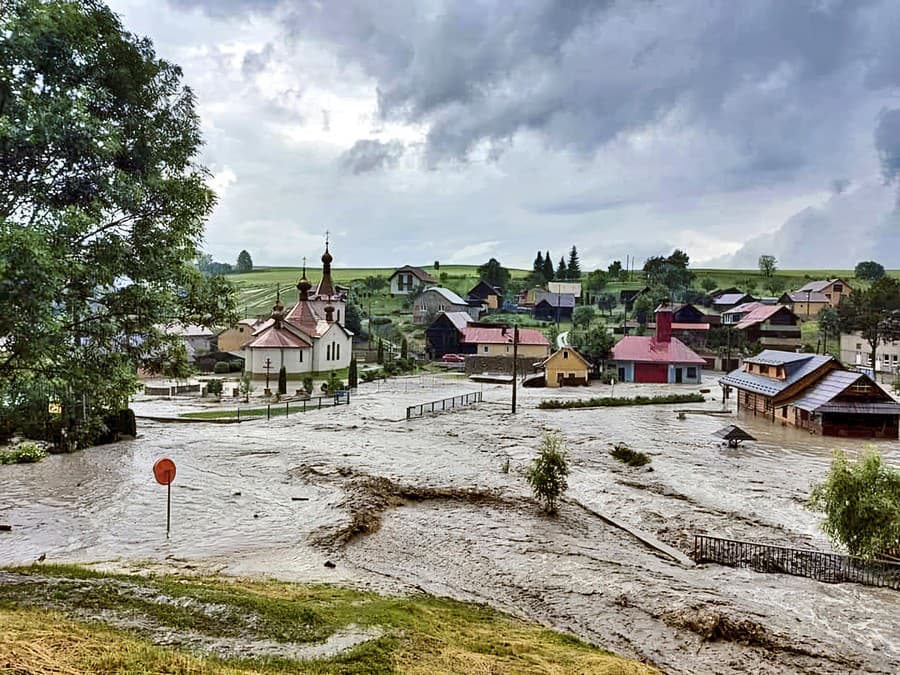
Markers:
{"x": 445, "y": 334}
{"x": 565, "y": 368}
{"x": 491, "y": 297}
{"x": 813, "y": 392}
{"x": 834, "y": 290}
{"x": 554, "y": 306}
{"x": 773, "y": 326}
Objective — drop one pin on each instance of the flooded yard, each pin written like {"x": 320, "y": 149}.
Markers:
{"x": 426, "y": 504}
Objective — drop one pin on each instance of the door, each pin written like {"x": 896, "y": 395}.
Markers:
{"x": 621, "y": 374}
{"x": 651, "y": 372}
{"x": 678, "y": 378}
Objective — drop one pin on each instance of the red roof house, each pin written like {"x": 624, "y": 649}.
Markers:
{"x": 657, "y": 358}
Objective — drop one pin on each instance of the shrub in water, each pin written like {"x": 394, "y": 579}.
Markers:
{"x": 628, "y": 456}
{"x": 214, "y": 386}
{"x": 547, "y": 473}
{"x": 24, "y": 453}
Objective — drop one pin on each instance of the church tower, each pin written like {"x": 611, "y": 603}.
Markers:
{"x": 325, "y": 289}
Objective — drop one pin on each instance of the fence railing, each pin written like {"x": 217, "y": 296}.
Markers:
{"x": 831, "y": 568}
{"x": 443, "y": 405}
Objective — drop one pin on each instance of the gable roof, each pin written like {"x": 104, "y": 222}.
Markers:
{"x": 486, "y": 335}
{"x": 573, "y": 287}
{"x": 448, "y": 295}
{"x": 797, "y": 367}
{"x": 483, "y": 290}
{"x": 759, "y": 314}
{"x": 730, "y": 298}
{"x": 803, "y": 296}
{"x": 417, "y": 272}
{"x": 821, "y": 285}
{"x": 555, "y": 299}
{"x": 821, "y": 395}
{"x": 459, "y": 319}
{"x": 279, "y": 335}
{"x": 572, "y": 351}
{"x": 648, "y": 349}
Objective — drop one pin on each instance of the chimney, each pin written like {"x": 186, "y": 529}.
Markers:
{"x": 664, "y": 323}
{"x": 503, "y": 330}
{"x": 329, "y": 314}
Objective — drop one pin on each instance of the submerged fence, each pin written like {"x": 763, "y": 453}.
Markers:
{"x": 831, "y": 568}
{"x": 442, "y": 405}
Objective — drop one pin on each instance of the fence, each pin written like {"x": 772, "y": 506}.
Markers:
{"x": 442, "y": 405}
{"x": 270, "y": 410}
{"x": 831, "y": 568}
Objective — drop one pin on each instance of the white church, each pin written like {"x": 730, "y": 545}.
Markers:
{"x": 309, "y": 338}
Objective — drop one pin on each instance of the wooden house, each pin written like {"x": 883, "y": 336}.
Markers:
{"x": 437, "y": 299}
{"x": 813, "y": 392}
{"x": 658, "y": 358}
{"x": 446, "y": 333}
{"x": 566, "y": 368}
{"x": 485, "y": 340}
{"x": 490, "y": 297}
{"x": 773, "y": 326}
{"x": 234, "y": 338}
{"x": 834, "y": 290}
{"x": 726, "y": 301}
{"x": 806, "y": 304}
{"x": 553, "y": 306}
{"x": 408, "y": 280}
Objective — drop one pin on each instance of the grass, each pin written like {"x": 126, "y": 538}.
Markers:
{"x": 606, "y": 401}
{"x": 24, "y": 453}
{"x": 628, "y": 456}
{"x": 57, "y": 619}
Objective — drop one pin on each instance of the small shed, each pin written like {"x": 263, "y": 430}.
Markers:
{"x": 566, "y": 368}
{"x": 734, "y": 435}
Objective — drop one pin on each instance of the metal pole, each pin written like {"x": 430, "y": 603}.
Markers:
{"x": 168, "y": 507}
{"x": 268, "y": 411}
{"x": 515, "y": 366}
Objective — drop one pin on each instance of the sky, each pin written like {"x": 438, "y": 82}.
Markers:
{"x": 423, "y": 130}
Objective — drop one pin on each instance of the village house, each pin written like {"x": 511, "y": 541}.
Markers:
{"x": 726, "y": 301}
{"x": 856, "y": 350}
{"x": 772, "y": 326}
{"x": 498, "y": 341}
{"x": 806, "y": 304}
{"x": 234, "y": 338}
{"x": 834, "y": 290}
{"x": 490, "y": 297}
{"x": 197, "y": 340}
{"x": 553, "y": 306}
{"x": 438, "y": 299}
{"x": 813, "y": 392}
{"x": 408, "y": 280}
{"x": 658, "y": 358}
{"x": 568, "y": 287}
{"x": 566, "y": 368}
{"x": 309, "y": 338}
{"x": 446, "y": 333}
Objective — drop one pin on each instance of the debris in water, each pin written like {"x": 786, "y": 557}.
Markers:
{"x": 330, "y": 565}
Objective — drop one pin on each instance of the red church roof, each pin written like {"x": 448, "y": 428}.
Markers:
{"x": 648, "y": 349}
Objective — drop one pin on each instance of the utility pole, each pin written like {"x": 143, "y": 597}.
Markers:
{"x": 515, "y": 366}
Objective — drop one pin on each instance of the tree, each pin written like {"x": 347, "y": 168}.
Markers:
{"x": 537, "y": 270}
{"x": 244, "y": 263}
{"x": 643, "y": 308}
{"x": 548, "y": 267}
{"x": 874, "y": 312}
{"x": 246, "y": 387}
{"x": 547, "y": 473}
{"x": 352, "y": 374}
{"x": 615, "y": 269}
{"x": 352, "y": 320}
{"x": 708, "y": 284}
{"x": 767, "y": 265}
{"x": 583, "y": 316}
{"x": 595, "y": 343}
{"x": 607, "y": 301}
{"x": 861, "y": 503}
{"x": 380, "y": 357}
{"x": 869, "y": 271}
{"x": 574, "y": 266}
{"x": 102, "y": 209}
{"x": 404, "y": 349}
{"x": 775, "y": 285}
{"x": 829, "y": 325}
{"x": 282, "y": 381}
{"x": 671, "y": 272}
{"x": 494, "y": 273}
{"x": 561, "y": 272}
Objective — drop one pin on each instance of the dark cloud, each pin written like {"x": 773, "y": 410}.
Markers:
{"x": 887, "y": 142}
{"x": 371, "y": 155}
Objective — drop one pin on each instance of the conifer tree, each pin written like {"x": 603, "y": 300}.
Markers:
{"x": 352, "y": 375}
{"x": 539, "y": 264}
{"x": 282, "y": 381}
{"x": 574, "y": 267}
{"x": 561, "y": 272}
{"x": 548, "y": 267}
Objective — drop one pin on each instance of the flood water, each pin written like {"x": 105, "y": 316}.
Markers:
{"x": 255, "y": 498}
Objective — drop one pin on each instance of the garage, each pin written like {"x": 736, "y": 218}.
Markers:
{"x": 651, "y": 372}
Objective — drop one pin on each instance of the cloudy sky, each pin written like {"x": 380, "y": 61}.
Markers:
{"x": 421, "y": 130}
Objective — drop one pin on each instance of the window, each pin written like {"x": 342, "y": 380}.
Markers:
{"x": 861, "y": 388}
{"x": 565, "y": 355}
{"x": 838, "y": 288}
{"x": 338, "y": 357}
{"x": 301, "y": 356}
{"x": 485, "y": 349}
{"x": 691, "y": 371}
{"x": 858, "y": 346}
{"x": 784, "y": 412}
{"x": 328, "y": 353}
{"x": 764, "y": 370}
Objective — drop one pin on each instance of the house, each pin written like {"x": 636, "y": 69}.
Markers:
{"x": 570, "y": 287}
{"x": 857, "y": 351}
{"x": 446, "y": 333}
{"x": 834, "y": 290}
{"x": 408, "y": 280}
{"x": 486, "y": 340}
{"x": 553, "y": 306}
{"x": 491, "y": 297}
{"x": 628, "y": 297}
{"x": 308, "y": 338}
{"x": 805, "y": 303}
{"x": 725, "y": 301}
{"x": 197, "y": 339}
{"x": 232, "y": 339}
{"x": 773, "y": 326}
{"x": 658, "y": 358}
{"x": 437, "y": 299}
{"x": 813, "y": 392}
{"x": 566, "y": 367}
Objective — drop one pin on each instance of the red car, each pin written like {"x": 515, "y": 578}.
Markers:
{"x": 454, "y": 358}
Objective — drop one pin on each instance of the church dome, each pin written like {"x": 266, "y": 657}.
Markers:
{"x": 326, "y": 257}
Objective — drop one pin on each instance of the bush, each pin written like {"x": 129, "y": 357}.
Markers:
{"x": 553, "y": 404}
{"x": 630, "y": 457}
{"x": 235, "y": 366}
{"x": 547, "y": 473}
{"x": 221, "y": 368}
{"x": 24, "y": 453}
{"x": 308, "y": 384}
{"x": 214, "y": 386}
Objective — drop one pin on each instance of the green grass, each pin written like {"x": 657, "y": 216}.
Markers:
{"x": 24, "y": 453}
{"x": 53, "y": 620}
{"x": 554, "y": 404}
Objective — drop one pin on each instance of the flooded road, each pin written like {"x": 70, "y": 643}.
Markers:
{"x": 260, "y": 498}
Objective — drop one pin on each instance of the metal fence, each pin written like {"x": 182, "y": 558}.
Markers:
{"x": 286, "y": 408}
{"x": 444, "y": 404}
{"x": 831, "y": 568}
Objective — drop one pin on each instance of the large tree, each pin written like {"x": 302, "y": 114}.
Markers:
{"x": 869, "y": 270}
{"x": 548, "y": 267}
{"x": 671, "y": 272}
{"x": 573, "y": 268}
{"x": 562, "y": 273}
{"x": 767, "y": 265}
{"x": 244, "y": 262}
{"x": 102, "y": 208}
{"x": 494, "y": 273}
{"x": 875, "y": 313}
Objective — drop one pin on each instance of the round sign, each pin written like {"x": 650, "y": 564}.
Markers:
{"x": 164, "y": 471}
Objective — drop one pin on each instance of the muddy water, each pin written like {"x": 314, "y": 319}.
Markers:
{"x": 239, "y": 507}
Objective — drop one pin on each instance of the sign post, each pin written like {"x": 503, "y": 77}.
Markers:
{"x": 164, "y": 472}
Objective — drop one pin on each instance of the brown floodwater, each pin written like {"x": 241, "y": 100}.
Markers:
{"x": 256, "y": 499}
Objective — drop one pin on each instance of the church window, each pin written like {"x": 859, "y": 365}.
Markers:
{"x": 328, "y": 353}
{"x": 301, "y": 355}
{"x": 338, "y": 357}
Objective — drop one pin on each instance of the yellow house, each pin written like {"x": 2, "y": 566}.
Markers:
{"x": 566, "y": 367}
{"x": 498, "y": 341}
{"x": 232, "y": 339}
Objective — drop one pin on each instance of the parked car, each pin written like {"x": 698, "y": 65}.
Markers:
{"x": 454, "y": 358}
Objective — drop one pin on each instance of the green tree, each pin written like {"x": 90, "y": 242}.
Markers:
{"x": 574, "y": 267}
{"x": 708, "y": 284}
{"x": 246, "y": 387}
{"x": 537, "y": 270}
{"x": 775, "y": 285}
{"x": 861, "y": 503}
{"x": 595, "y": 343}
{"x": 869, "y": 271}
{"x": 643, "y": 308}
{"x": 102, "y": 207}
{"x": 615, "y": 269}
{"x": 874, "y": 312}
{"x": 282, "y": 381}
{"x": 352, "y": 320}
{"x": 607, "y": 301}
{"x": 767, "y": 265}
{"x": 494, "y": 273}
{"x": 380, "y": 357}
{"x": 548, "y": 267}
{"x": 547, "y": 473}
{"x": 404, "y": 349}
{"x": 352, "y": 374}
{"x": 829, "y": 325}
{"x": 244, "y": 263}
{"x": 583, "y": 316}
{"x": 561, "y": 272}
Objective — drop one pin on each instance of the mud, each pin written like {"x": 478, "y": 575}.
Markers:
{"x": 426, "y": 504}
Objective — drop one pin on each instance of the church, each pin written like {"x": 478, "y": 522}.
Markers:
{"x": 309, "y": 338}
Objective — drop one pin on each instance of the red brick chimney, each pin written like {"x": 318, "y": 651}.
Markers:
{"x": 664, "y": 323}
